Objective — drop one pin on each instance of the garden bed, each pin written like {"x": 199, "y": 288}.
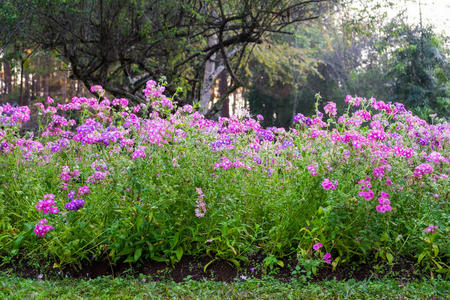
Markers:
{"x": 106, "y": 183}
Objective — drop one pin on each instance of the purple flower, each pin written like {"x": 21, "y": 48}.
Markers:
{"x": 96, "y": 89}
{"x": 385, "y": 204}
{"x": 71, "y": 194}
{"x": 299, "y": 118}
{"x": 74, "y": 205}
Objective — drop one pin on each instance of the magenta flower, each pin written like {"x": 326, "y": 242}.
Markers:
{"x": 96, "y": 89}
{"x": 317, "y": 246}
{"x": 378, "y": 172}
{"x": 327, "y": 184}
{"x": 47, "y": 205}
{"x": 327, "y": 258}
{"x": 40, "y": 229}
{"x": 422, "y": 169}
{"x": 385, "y": 204}
{"x": 138, "y": 153}
{"x": 366, "y": 194}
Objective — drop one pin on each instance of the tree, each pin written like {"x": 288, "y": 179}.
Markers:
{"x": 420, "y": 72}
{"x": 120, "y": 44}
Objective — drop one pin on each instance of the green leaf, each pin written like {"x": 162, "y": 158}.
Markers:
{"x": 335, "y": 263}
{"x": 137, "y": 254}
{"x": 389, "y": 257}
{"x": 421, "y": 256}
{"x": 207, "y": 265}
{"x": 435, "y": 250}
{"x": 139, "y": 222}
{"x": 235, "y": 262}
{"x": 179, "y": 253}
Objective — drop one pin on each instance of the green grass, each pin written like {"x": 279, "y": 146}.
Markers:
{"x": 12, "y": 287}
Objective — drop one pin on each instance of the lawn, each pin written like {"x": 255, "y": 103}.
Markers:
{"x": 12, "y": 287}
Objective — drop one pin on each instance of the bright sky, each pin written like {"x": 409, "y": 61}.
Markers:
{"x": 434, "y": 12}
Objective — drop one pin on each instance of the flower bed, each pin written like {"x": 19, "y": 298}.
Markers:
{"x": 155, "y": 181}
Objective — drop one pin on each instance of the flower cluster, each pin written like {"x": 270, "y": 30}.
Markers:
{"x": 47, "y": 205}
{"x": 384, "y": 203}
{"x": 317, "y": 246}
{"x": 365, "y": 186}
{"x": 422, "y": 169}
{"x": 41, "y": 229}
{"x": 75, "y": 204}
{"x": 327, "y": 184}
{"x": 138, "y": 153}
{"x": 200, "y": 208}
{"x": 330, "y": 109}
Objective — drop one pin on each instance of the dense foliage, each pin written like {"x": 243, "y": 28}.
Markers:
{"x": 102, "y": 178}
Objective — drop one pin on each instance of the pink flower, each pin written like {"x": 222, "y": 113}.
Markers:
{"x": 317, "y": 246}
{"x": 330, "y": 109}
{"x": 422, "y": 169}
{"x": 83, "y": 190}
{"x": 200, "y": 192}
{"x": 385, "y": 204}
{"x": 327, "y": 258}
{"x": 378, "y": 172}
{"x": 312, "y": 169}
{"x": 200, "y": 209}
{"x": 327, "y": 184}
{"x": 366, "y": 194}
{"x": 431, "y": 229}
{"x": 96, "y": 89}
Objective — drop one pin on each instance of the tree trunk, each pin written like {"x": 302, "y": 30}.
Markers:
{"x": 208, "y": 78}
{"x": 223, "y": 85}
{"x": 21, "y": 81}
{"x": 37, "y": 90}
{"x": 64, "y": 86}
{"x": 8, "y": 80}
{"x": 46, "y": 85}
{"x": 27, "y": 89}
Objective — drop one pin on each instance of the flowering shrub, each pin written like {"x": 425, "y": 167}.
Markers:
{"x": 157, "y": 181}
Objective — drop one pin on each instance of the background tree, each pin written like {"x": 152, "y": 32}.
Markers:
{"x": 120, "y": 44}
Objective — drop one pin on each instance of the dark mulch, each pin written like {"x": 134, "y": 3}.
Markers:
{"x": 219, "y": 270}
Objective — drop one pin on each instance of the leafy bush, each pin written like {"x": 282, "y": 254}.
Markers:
{"x": 102, "y": 178}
